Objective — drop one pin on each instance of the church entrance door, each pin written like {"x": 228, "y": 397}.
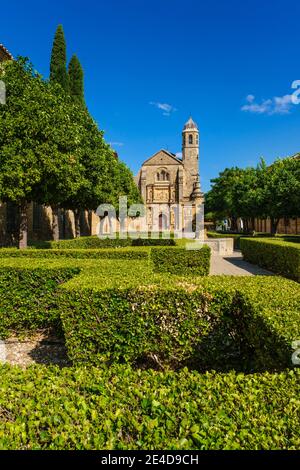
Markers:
{"x": 163, "y": 222}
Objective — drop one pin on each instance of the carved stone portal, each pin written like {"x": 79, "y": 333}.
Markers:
{"x": 161, "y": 195}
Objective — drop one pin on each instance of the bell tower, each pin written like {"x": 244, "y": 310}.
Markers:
{"x": 190, "y": 156}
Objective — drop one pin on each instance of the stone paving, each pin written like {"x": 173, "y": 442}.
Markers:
{"x": 234, "y": 265}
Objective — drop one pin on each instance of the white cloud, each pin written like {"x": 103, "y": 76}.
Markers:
{"x": 116, "y": 144}
{"x": 179, "y": 155}
{"x": 275, "y": 105}
{"x": 165, "y": 107}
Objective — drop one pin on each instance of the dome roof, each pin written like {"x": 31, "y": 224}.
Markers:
{"x": 190, "y": 124}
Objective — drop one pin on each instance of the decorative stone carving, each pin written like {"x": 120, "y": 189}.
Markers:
{"x": 161, "y": 195}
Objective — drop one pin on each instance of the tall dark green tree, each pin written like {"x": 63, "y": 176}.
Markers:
{"x": 76, "y": 84}
{"x": 58, "y": 65}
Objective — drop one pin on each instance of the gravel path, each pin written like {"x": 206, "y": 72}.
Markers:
{"x": 40, "y": 348}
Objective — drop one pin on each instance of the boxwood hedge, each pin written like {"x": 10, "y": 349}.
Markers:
{"x": 218, "y": 322}
{"x": 115, "y": 253}
{"x": 94, "y": 242}
{"x": 181, "y": 261}
{"x": 116, "y": 311}
{"x": 120, "y": 408}
{"x": 278, "y": 256}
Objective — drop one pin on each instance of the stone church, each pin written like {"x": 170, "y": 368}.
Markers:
{"x": 165, "y": 180}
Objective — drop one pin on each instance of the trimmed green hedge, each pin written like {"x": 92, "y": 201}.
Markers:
{"x": 116, "y": 311}
{"x": 150, "y": 328}
{"x": 118, "y": 408}
{"x": 90, "y": 243}
{"x": 278, "y": 256}
{"x": 30, "y": 299}
{"x": 153, "y": 242}
{"x": 181, "y": 261}
{"x": 220, "y": 323}
{"x": 93, "y": 242}
{"x": 120, "y": 253}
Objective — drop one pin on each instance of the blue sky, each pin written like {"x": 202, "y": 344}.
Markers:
{"x": 197, "y": 57}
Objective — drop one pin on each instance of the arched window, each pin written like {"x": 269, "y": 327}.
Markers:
{"x": 163, "y": 175}
{"x": 191, "y": 139}
{"x": 184, "y": 140}
{"x": 197, "y": 139}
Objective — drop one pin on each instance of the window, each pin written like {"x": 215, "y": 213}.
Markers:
{"x": 184, "y": 140}
{"x": 191, "y": 139}
{"x": 197, "y": 140}
{"x": 163, "y": 175}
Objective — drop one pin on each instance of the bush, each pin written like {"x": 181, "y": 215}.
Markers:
{"x": 153, "y": 242}
{"x": 118, "y": 408}
{"x": 123, "y": 312}
{"x": 218, "y": 322}
{"x": 30, "y": 299}
{"x": 181, "y": 261}
{"x": 149, "y": 328}
{"x": 276, "y": 255}
{"x": 120, "y": 253}
{"x": 91, "y": 243}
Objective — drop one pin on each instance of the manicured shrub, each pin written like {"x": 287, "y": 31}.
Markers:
{"x": 153, "y": 242}
{"x": 181, "y": 261}
{"x": 119, "y": 408}
{"x": 115, "y": 311}
{"x": 120, "y": 253}
{"x": 91, "y": 243}
{"x": 155, "y": 328}
{"x": 241, "y": 323}
{"x": 278, "y": 256}
{"x": 29, "y": 298}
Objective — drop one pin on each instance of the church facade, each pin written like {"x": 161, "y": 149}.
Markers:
{"x": 167, "y": 182}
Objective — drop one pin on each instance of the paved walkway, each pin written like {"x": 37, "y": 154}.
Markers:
{"x": 234, "y": 265}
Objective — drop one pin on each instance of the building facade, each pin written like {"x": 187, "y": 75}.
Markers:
{"x": 166, "y": 182}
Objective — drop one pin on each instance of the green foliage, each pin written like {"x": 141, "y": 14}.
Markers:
{"x": 76, "y": 86}
{"x": 77, "y": 253}
{"x": 279, "y": 256}
{"x": 121, "y": 311}
{"x": 93, "y": 242}
{"x": 120, "y": 408}
{"x": 154, "y": 242}
{"x": 51, "y": 150}
{"x": 29, "y": 298}
{"x": 181, "y": 261}
{"x": 58, "y": 65}
{"x": 90, "y": 243}
{"x": 263, "y": 191}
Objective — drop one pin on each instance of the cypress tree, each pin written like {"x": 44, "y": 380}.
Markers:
{"x": 76, "y": 85}
{"x": 58, "y": 65}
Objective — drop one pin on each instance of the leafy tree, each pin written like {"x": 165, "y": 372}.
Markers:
{"x": 281, "y": 191}
{"x": 221, "y": 199}
{"x": 20, "y": 149}
{"x": 76, "y": 84}
{"x": 39, "y": 143}
{"x": 58, "y": 64}
{"x": 105, "y": 178}
{"x": 263, "y": 191}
